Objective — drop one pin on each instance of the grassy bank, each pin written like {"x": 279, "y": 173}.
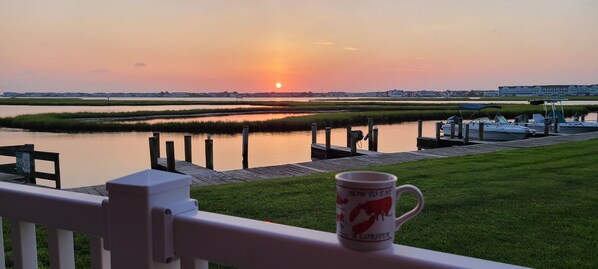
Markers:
{"x": 531, "y": 207}
{"x": 329, "y": 114}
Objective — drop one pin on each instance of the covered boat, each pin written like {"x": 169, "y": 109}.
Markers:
{"x": 495, "y": 129}
{"x": 564, "y": 126}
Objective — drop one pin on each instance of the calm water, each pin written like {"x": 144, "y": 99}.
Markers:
{"x": 88, "y": 159}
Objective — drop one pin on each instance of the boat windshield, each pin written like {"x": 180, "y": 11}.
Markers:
{"x": 484, "y": 120}
{"x": 500, "y": 119}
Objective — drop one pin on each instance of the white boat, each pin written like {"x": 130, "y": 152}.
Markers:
{"x": 564, "y": 126}
{"x": 497, "y": 129}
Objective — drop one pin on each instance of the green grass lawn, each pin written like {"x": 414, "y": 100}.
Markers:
{"x": 531, "y": 207}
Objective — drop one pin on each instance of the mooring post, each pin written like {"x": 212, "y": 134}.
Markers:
{"x": 314, "y": 133}
{"x": 152, "y": 151}
{"x": 170, "y": 156}
{"x": 438, "y": 126}
{"x": 452, "y": 130}
{"x": 349, "y": 136}
{"x": 209, "y": 153}
{"x": 546, "y": 126}
{"x": 188, "y": 148}
{"x": 370, "y": 133}
{"x": 419, "y": 128}
{"x": 481, "y": 132}
{"x": 157, "y": 137}
{"x": 375, "y": 139}
{"x": 246, "y": 146}
{"x": 353, "y": 143}
{"x": 466, "y": 138}
{"x": 460, "y": 133}
{"x": 327, "y": 152}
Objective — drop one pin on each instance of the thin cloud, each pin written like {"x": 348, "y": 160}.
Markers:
{"x": 100, "y": 71}
{"x": 325, "y": 43}
{"x": 350, "y": 48}
{"x": 139, "y": 64}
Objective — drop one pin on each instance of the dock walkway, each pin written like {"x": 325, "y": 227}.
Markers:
{"x": 203, "y": 177}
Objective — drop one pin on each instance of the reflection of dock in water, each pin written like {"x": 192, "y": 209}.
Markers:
{"x": 202, "y": 176}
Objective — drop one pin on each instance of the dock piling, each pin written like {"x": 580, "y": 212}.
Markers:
{"x": 353, "y": 143}
{"x": 481, "y": 132}
{"x": 460, "y": 133}
{"x": 349, "y": 136}
{"x": 327, "y": 152}
{"x": 314, "y": 133}
{"x": 153, "y": 155}
{"x": 546, "y": 126}
{"x": 556, "y": 125}
{"x": 209, "y": 153}
{"x": 466, "y": 137}
{"x": 438, "y": 126}
{"x": 157, "y": 137}
{"x": 452, "y": 130}
{"x": 370, "y": 133}
{"x": 419, "y": 128}
{"x": 583, "y": 118}
{"x": 375, "y": 138}
{"x": 188, "y": 155}
{"x": 170, "y": 156}
{"x": 246, "y": 146}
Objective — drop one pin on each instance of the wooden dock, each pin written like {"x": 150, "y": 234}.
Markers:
{"x": 203, "y": 177}
{"x": 318, "y": 151}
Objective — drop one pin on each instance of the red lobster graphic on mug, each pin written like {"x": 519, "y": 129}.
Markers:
{"x": 374, "y": 209}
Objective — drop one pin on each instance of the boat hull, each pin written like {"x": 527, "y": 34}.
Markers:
{"x": 493, "y": 132}
{"x": 567, "y": 128}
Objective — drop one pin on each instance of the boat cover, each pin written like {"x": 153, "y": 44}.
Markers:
{"x": 476, "y": 106}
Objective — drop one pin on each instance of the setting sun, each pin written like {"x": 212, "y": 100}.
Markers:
{"x": 278, "y": 85}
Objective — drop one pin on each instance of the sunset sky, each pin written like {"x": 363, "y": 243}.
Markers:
{"x": 249, "y": 46}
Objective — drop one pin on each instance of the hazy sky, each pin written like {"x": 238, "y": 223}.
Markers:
{"x": 249, "y": 46}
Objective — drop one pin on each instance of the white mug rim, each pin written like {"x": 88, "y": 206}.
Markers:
{"x": 390, "y": 178}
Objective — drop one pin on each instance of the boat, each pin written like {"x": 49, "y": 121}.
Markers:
{"x": 495, "y": 129}
{"x": 564, "y": 126}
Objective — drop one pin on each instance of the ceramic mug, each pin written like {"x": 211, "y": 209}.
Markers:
{"x": 365, "y": 209}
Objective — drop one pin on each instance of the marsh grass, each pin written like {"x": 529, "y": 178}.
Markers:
{"x": 327, "y": 114}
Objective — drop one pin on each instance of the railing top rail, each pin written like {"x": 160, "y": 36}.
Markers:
{"x": 258, "y": 244}
{"x": 59, "y": 209}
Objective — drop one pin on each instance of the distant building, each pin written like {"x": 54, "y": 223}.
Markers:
{"x": 548, "y": 90}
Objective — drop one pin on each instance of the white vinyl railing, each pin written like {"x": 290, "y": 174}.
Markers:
{"x": 149, "y": 221}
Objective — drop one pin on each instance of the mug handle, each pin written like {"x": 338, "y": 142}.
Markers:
{"x": 420, "y": 204}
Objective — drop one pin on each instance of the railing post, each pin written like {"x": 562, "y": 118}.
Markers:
{"x": 370, "y": 133}
{"x": 188, "y": 155}
{"x": 24, "y": 246}
{"x": 157, "y": 136}
{"x": 141, "y": 211}
{"x": 99, "y": 258}
{"x": 419, "y": 128}
{"x": 61, "y": 249}
{"x": 245, "y": 152}
{"x": 349, "y": 136}
{"x": 375, "y": 142}
{"x": 327, "y": 152}
{"x": 57, "y": 172}
{"x": 314, "y": 133}
{"x": 209, "y": 153}
{"x": 2, "y": 261}
{"x": 481, "y": 132}
{"x": 466, "y": 137}
{"x": 153, "y": 154}
{"x": 170, "y": 164}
